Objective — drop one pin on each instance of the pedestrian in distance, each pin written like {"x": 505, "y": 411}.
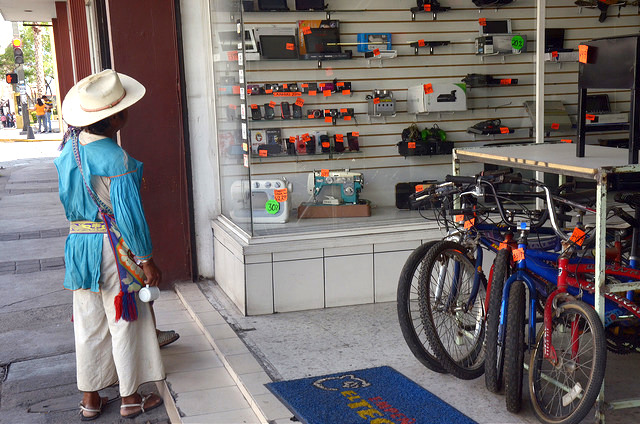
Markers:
{"x": 40, "y": 110}
{"x": 47, "y": 112}
{"x": 108, "y": 253}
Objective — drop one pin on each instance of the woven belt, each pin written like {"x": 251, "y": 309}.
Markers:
{"x": 87, "y": 227}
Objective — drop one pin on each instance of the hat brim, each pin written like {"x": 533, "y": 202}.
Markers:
{"x": 73, "y": 114}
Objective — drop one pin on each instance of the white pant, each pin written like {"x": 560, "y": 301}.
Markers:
{"x": 108, "y": 351}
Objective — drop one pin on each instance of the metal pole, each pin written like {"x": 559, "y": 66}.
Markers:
{"x": 26, "y": 123}
{"x": 540, "y": 25}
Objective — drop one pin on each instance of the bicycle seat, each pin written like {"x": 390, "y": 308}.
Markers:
{"x": 631, "y": 199}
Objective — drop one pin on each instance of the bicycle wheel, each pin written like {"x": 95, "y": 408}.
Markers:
{"x": 565, "y": 392}
{"x": 494, "y": 352}
{"x": 409, "y": 310}
{"x": 454, "y": 327}
{"x": 514, "y": 347}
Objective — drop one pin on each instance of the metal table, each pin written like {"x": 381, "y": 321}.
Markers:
{"x": 597, "y": 164}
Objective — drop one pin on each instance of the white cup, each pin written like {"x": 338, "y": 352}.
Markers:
{"x": 149, "y": 294}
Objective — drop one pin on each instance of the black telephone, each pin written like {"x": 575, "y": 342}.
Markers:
{"x": 285, "y": 110}
{"x": 297, "y": 111}
{"x": 256, "y": 113}
{"x": 269, "y": 112}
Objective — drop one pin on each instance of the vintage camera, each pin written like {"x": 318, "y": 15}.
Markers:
{"x": 293, "y": 87}
{"x": 346, "y": 112}
{"x": 273, "y": 88}
{"x": 255, "y": 89}
{"x": 315, "y": 113}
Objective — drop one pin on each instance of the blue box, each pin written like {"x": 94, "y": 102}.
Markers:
{"x": 377, "y": 37}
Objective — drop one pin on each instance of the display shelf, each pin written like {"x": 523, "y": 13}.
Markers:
{"x": 255, "y": 158}
{"x": 597, "y": 163}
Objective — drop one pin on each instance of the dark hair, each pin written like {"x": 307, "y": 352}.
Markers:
{"x": 99, "y": 127}
{"x": 39, "y": 101}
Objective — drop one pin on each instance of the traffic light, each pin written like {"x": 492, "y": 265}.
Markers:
{"x": 11, "y": 78}
{"x": 17, "y": 51}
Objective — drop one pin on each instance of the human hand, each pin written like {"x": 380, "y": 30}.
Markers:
{"x": 152, "y": 273}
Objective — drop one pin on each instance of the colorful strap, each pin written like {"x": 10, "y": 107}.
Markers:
{"x": 87, "y": 227}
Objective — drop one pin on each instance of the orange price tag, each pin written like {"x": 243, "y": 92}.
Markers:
{"x": 268, "y": 91}
{"x": 355, "y": 134}
{"x": 566, "y": 140}
{"x": 328, "y": 119}
{"x": 482, "y": 21}
{"x": 310, "y": 116}
{"x": 428, "y": 88}
{"x": 421, "y": 43}
{"x": 254, "y": 106}
{"x": 459, "y": 218}
{"x": 306, "y": 30}
{"x": 583, "y": 53}
{"x": 272, "y": 103}
{"x": 419, "y": 188}
{"x": 327, "y": 93}
{"x": 343, "y": 111}
{"x": 411, "y": 145}
{"x": 518, "y": 254}
{"x": 346, "y": 92}
{"x": 468, "y": 224}
{"x": 554, "y": 54}
{"x": 299, "y": 101}
{"x": 280, "y": 194}
{"x": 222, "y": 89}
{"x": 262, "y": 153}
{"x": 504, "y": 130}
{"x": 235, "y": 89}
{"x": 292, "y": 139}
{"x": 340, "y": 138}
{"x": 506, "y": 81}
{"x": 305, "y": 137}
{"x": 503, "y": 245}
{"x": 577, "y": 236}
{"x": 326, "y": 144}
{"x": 305, "y": 85}
{"x": 285, "y": 86}
{"x": 340, "y": 84}
{"x": 427, "y": 8}
{"x": 376, "y": 52}
{"x": 555, "y": 126}
{"x": 290, "y": 46}
{"x": 327, "y": 112}
{"x": 347, "y": 118}
{"x": 312, "y": 92}
{"x": 324, "y": 172}
{"x": 233, "y": 107}
{"x": 233, "y": 56}
{"x": 590, "y": 117}
{"x": 376, "y": 100}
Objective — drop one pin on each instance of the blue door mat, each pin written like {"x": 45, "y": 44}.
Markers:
{"x": 378, "y": 395}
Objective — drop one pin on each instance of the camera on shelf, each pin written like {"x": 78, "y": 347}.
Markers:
{"x": 273, "y": 88}
{"x": 293, "y": 87}
{"x": 255, "y": 89}
{"x": 307, "y": 87}
{"x": 315, "y": 113}
{"x": 346, "y": 112}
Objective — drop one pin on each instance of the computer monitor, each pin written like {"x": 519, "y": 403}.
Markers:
{"x": 268, "y": 5}
{"x": 553, "y": 39}
{"x": 502, "y": 26}
{"x": 278, "y": 47}
{"x": 310, "y": 5}
{"x": 319, "y": 39}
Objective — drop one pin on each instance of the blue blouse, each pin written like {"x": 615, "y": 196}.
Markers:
{"x": 83, "y": 252}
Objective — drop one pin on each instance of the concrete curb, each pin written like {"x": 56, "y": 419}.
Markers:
{"x": 235, "y": 356}
{"x": 169, "y": 402}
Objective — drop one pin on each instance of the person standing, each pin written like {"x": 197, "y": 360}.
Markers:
{"x": 40, "y": 109}
{"x": 47, "y": 112}
{"x": 99, "y": 186}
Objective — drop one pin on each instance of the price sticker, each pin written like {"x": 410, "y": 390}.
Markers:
{"x": 269, "y": 91}
{"x": 344, "y": 111}
{"x": 340, "y": 84}
{"x": 518, "y": 254}
{"x": 292, "y": 139}
{"x": 306, "y": 30}
{"x": 310, "y": 116}
{"x": 232, "y": 56}
{"x": 428, "y": 88}
{"x": 577, "y": 236}
{"x": 554, "y": 54}
{"x": 233, "y": 107}
{"x": 305, "y": 137}
{"x": 590, "y": 117}
{"x": 321, "y": 86}
{"x": 285, "y": 86}
{"x": 324, "y": 172}
{"x": 235, "y": 89}
{"x": 421, "y": 43}
{"x": 506, "y": 81}
{"x": 482, "y": 21}
{"x": 427, "y": 8}
{"x": 419, "y": 188}
{"x": 583, "y": 53}
{"x": 340, "y": 138}
{"x": 504, "y": 130}
{"x": 326, "y": 144}
{"x": 328, "y": 119}
{"x": 459, "y": 218}
{"x": 555, "y": 126}
{"x": 280, "y": 194}
{"x": 327, "y": 112}
{"x": 411, "y": 145}
{"x": 290, "y": 46}
{"x": 272, "y": 103}
{"x": 305, "y": 85}
{"x": 272, "y": 206}
{"x": 503, "y": 245}
{"x": 312, "y": 92}
{"x": 347, "y": 117}
{"x": 254, "y": 106}
{"x": 468, "y": 224}
{"x": 326, "y": 93}
{"x": 346, "y": 92}
{"x": 355, "y": 134}
{"x": 262, "y": 153}
{"x": 376, "y": 52}
{"x": 566, "y": 140}
{"x": 376, "y": 100}
{"x": 223, "y": 89}
{"x": 517, "y": 42}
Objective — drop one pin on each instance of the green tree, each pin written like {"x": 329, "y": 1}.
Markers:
{"x": 7, "y": 64}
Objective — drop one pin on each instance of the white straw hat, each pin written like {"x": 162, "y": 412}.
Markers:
{"x": 99, "y": 96}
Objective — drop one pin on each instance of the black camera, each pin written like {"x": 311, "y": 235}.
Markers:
{"x": 315, "y": 113}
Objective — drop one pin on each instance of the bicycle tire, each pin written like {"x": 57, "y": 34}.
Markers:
{"x": 493, "y": 363}
{"x": 409, "y": 310}
{"x": 514, "y": 348}
{"x": 461, "y": 350}
{"x": 545, "y": 408}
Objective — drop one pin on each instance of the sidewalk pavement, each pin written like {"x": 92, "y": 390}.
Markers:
{"x": 216, "y": 371}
